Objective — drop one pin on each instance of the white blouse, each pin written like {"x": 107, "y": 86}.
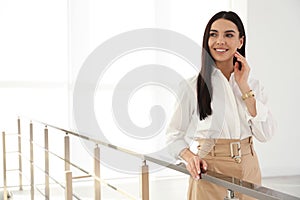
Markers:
{"x": 230, "y": 118}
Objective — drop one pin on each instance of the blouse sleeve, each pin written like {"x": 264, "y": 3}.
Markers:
{"x": 181, "y": 121}
{"x": 263, "y": 124}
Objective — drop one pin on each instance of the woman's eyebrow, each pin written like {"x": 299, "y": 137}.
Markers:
{"x": 227, "y": 31}
{"x": 230, "y": 31}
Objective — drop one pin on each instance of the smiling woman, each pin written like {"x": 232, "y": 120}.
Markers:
{"x": 229, "y": 110}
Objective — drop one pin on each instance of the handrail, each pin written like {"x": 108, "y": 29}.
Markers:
{"x": 141, "y": 156}
{"x": 234, "y": 184}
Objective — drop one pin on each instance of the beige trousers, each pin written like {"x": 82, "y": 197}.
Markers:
{"x": 219, "y": 161}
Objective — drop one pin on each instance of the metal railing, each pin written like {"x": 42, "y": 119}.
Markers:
{"x": 231, "y": 183}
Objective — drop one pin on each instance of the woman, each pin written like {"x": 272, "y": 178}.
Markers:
{"x": 222, "y": 109}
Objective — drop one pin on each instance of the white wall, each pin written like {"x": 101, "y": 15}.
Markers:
{"x": 33, "y": 70}
{"x": 33, "y": 60}
{"x": 273, "y": 54}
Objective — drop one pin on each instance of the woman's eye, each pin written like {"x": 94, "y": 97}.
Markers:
{"x": 212, "y": 34}
{"x": 229, "y": 35}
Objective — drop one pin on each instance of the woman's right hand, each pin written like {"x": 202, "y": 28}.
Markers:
{"x": 195, "y": 165}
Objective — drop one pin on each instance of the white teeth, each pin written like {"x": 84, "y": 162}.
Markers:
{"x": 221, "y": 50}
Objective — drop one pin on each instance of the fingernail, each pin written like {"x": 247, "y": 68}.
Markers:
{"x": 205, "y": 168}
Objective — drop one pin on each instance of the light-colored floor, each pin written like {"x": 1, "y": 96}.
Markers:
{"x": 160, "y": 188}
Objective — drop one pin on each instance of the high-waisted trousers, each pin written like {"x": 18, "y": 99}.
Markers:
{"x": 234, "y": 158}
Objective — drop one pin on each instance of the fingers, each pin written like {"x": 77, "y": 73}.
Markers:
{"x": 240, "y": 58}
{"x": 195, "y": 166}
{"x": 236, "y": 66}
{"x": 238, "y": 55}
{"x": 203, "y": 166}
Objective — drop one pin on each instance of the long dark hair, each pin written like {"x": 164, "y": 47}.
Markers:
{"x": 204, "y": 86}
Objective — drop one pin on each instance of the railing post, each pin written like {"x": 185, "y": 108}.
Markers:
{"x": 47, "y": 191}
{"x": 67, "y": 152}
{"x": 31, "y": 163}
{"x": 68, "y": 190}
{"x": 4, "y": 167}
{"x": 20, "y": 155}
{"x": 145, "y": 181}
{"x": 230, "y": 195}
{"x": 97, "y": 173}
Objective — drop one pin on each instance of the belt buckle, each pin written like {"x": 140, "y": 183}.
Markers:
{"x": 237, "y": 158}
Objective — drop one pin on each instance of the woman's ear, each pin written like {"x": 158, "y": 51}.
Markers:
{"x": 241, "y": 42}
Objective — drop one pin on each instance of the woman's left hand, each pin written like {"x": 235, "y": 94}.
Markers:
{"x": 241, "y": 76}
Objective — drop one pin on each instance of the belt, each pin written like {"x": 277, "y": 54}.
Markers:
{"x": 226, "y": 148}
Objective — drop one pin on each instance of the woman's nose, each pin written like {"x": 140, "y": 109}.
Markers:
{"x": 220, "y": 41}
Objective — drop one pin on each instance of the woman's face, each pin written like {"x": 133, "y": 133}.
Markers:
{"x": 224, "y": 40}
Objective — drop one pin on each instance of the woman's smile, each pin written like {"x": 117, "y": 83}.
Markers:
{"x": 220, "y": 50}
